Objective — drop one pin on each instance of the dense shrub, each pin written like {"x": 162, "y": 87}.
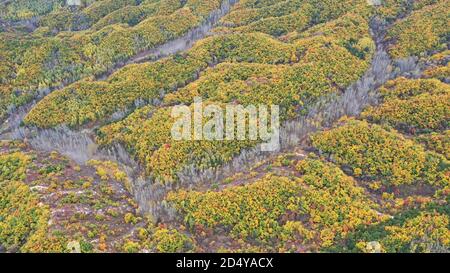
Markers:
{"x": 380, "y": 154}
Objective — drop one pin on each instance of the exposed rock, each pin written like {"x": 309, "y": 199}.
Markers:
{"x": 374, "y": 247}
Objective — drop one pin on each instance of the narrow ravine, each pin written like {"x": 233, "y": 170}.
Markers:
{"x": 150, "y": 194}
{"x": 179, "y": 44}
{"x": 323, "y": 113}
{"x": 79, "y": 145}
{"x": 9, "y": 128}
